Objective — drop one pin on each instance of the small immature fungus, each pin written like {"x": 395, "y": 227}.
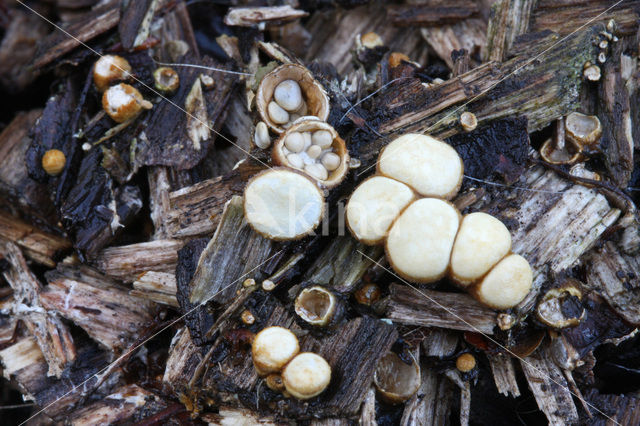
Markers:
{"x": 109, "y": 69}
{"x": 281, "y": 204}
{"x": 316, "y": 305}
{"x": 368, "y": 294}
{"x": 506, "y": 284}
{"x": 592, "y": 73}
{"x": 561, "y": 307}
{"x": 466, "y": 362}
{"x": 468, "y": 121}
{"x": 166, "y": 79}
{"x": 272, "y": 349}
{"x": 314, "y": 148}
{"x": 481, "y": 242}
{"x": 288, "y": 93}
{"x": 53, "y": 162}
{"x": 397, "y": 58}
{"x": 123, "y": 102}
{"x": 431, "y": 167}
{"x": 395, "y": 380}
{"x": 420, "y": 241}
{"x": 371, "y": 40}
{"x": 373, "y": 207}
{"x": 306, "y": 376}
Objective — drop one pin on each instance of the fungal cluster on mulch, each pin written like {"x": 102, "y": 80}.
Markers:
{"x": 320, "y": 212}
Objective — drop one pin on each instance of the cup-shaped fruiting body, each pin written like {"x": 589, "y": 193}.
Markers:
{"x": 314, "y": 148}
{"x": 396, "y": 380}
{"x": 506, "y": 284}
{"x": 567, "y": 152}
{"x": 282, "y": 204}
{"x": 272, "y": 349}
{"x": 583, "y": 130}
{"x": 316, "y": 306}
{"x": 397, "y": 58}
{"x": 368, "y": 294}
{"x": 468, "y": 121}
{"x": 592, "y": 73}
{"x": 561, "y": 307}
{"x": 166, "y": 79}
{"x": 53, "y": 162}
{"x": 274, "y": 382}
{"x": 420, "y": 241}
{"x": 306, "y": 376}
{"x": 261, "y": 136}
{"x": 109, "y": 69}
{"x": 373, "y": 207}
{"x": 371, "y": 40}
{"x": 123, "y": 102}
{"x": 287, "y": 93}
{"x": 431, "y": 167}
{"x": 481, "y": 242}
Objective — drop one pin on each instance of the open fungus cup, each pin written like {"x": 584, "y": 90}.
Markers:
{"x": 305, "y": 161}
{"x": 313, "y": 94}
{"x": 395, "y": 380}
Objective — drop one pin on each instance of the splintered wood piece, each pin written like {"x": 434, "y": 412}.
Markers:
{"x": 567, "y": 16}
{"x": 504, "y": 375}
{"x": 25, "y": 365}
{"x": 431, "y": 405}
{"x": 624, "y": 409}
{"x": 196, "y": 209}
{"x": 159, "y": 188}
{"x": 159, "y": 287}
{"x": 237, "y": 416}
{"x": 341, "y": 264}
{"x": 219, "y": 273}
{"x": 135, "y": 22}
{"x": 508, "y": 20}
{"x": 127, "y": 263}
{"x": 38, "y": 245}
{"x": 615, "y": 276}
{"x": 184, "y": 357}
{"x": 269, "y": 15}
{"x": 540, "y": 94}
{"x": 433, "y": 14}
{"x": 554, "y": 203}
{"x": 440, "y": 343}
{"x": 92, "y": 24}
{"x": 470, "y": 34}
{"x": 51, "y": 334}
{"x": 104, "y": 309}
{"x": 549, "y": 387}
{"x": 122, "y": 404}
{"x": 368, "y": 411}
{"x": 430, "y": 308}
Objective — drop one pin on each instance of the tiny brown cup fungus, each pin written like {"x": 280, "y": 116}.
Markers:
{"x": 564, "y": 152}
{"x": 421, "y": 239}
{"x": 371, "y": 40}
{"x": 53, "y": 162}
{"x": 274, "y": 382}
{"x": 466, "y": 362}
{"x": 395, "y": 380}
{"x": 368, "y": 294}
{"x": 506, "y": 284}
{"x": 583, "y": 130}
{"x": 306, "y": 376}
{"x": 108, "y": 69}
{"x": 373, "y": 207}
{"x": 561, "y": 307}
{"x": 282, "y": 204}
{"x": 481, "y": 242}
{"x": 290, "y": 91}
{"x": 468, "y": 121}
{"x": 431, "y": 167}
{"x": 272, "y": 349}
{"x": 397, "y": 58}
{"x": 166, "y": 79}
{"x": 123, "y": 102}
{"x": 314, "y": 148}
{"x": 316, "y": 305}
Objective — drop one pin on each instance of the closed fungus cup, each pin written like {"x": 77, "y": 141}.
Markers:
{"x": 481, "y": 242}
{"x": 373, "y": 207}
{"x": 314, "y": 148}
{"x": 306, "y": 376}
{"x": 431, "y": 167}
{"x": 123, "y": 102}
{"x": 289, "y": 92}
{"x": 395, "y": 380}
{"x": 282, "y": 204}
{"x": 316, "y": 305}
{"x": 109, "y": 69}
{"x": 272, "y": 349}
{"x": 420, "y": 241}
{"x": 506, "y": 285}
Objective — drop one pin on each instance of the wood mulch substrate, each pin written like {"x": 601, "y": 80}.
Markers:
{"x": 123, "y": 279}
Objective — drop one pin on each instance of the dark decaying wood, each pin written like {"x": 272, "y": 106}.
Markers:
{"x": 436, "y": 14}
